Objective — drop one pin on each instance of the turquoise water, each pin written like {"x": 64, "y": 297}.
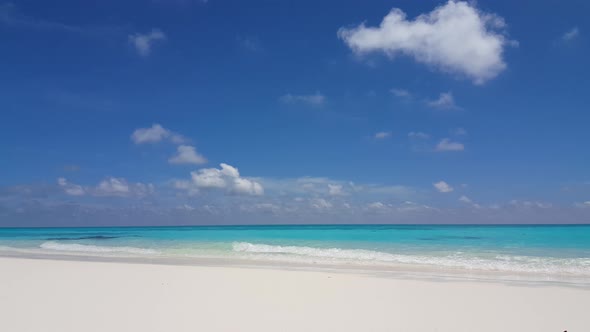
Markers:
{"x": 542, "y": 250}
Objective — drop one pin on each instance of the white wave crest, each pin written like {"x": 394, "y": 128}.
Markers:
{"x": 83, "y": 248}
{"x": 550, "y": 265}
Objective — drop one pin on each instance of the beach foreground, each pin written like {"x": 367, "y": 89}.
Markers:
{"x": 54, "y": 295}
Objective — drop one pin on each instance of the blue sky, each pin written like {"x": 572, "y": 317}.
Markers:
{"x": 389, "y": 111}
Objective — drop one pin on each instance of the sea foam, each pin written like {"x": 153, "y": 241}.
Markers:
{"x": 84, "y": 248}
{"x": 458, "y": 260}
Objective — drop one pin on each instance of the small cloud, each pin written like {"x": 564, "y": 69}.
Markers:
{"x": 447, "y": 145}
{"x": 112, "y": 186}
{"x": 376, "y": 206}
{"x": 530, "y": 204}
{"x": 382, "y": 135}
{"x": 251, "y": 44}
{"x": 70, "y": 188}
{"x": 71, "y": 168}
{"x": 316, "y": 99}
{"x": 418, "y": 135}
{"x": 571, "y": 34}
{"x": 108, "y": 187}
{"x": 401, "y": 93}
{"x": 154, "y": 134}
{"x": 443, "y": 187}
{"x": 143, "y": 42}
{"x": 445, "y": 101}
{"x": 186, "y": 207}
{"x": 335, "y": 190}
{"x": 465, "y": 199}
{"x": 459, "y": 132}
{"x": 321, "y": 204}
{"x": 187, "y": 154}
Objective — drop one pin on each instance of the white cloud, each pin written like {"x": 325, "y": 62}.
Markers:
{"x": 226, "y": 178}
{"x": 70, "y": 188}
{"x": 571, "y": 34}
{"x": 150, "y": 135}
{"x": 319, "y": 186}
{"x": 376, "y": 206}
{"x": 154, "y": 134}
{"x": 112, "y": 186}
{"x": 455, "y": 37}
{"x": 187, "y": 154}
{"x": 316, "y": 99}
{"x": 335, "y": 190}
{"x": 382, "y": 135}
{"x": 465, "y": 199}
{"x": 321, "y": 204}
{"x": 445, "y": 101}
{"x": 402, "y": 93}
{"x": 468, "y": 201}
{"x": 143, "y": 42}
{"x": 418, "y": 134}
{"x": 246, "y": 187}
{"x": 443, "y": 187}
{"x": 446, "y": 144}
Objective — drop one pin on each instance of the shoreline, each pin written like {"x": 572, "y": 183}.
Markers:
{"x": 108, "y": 296}
{"x": 401, "y": 272}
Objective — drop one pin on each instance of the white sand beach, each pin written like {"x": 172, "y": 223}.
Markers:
{"x": 63, "y": 296}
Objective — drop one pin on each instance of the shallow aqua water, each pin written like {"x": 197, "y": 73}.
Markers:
{"x": 550, "y": 250}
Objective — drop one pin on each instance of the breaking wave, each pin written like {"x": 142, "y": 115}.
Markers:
{"x": 83, "y": 248}
{"x": 457, "y": 260}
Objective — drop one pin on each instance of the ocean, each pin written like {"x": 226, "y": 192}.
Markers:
{"x": 552, "y": 253}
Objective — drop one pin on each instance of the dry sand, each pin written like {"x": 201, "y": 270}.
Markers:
{"x": 63, "y": 296}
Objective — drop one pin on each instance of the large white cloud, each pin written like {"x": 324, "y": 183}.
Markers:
{"x": 227, "y": 178}
{"x": 455, "y": 37}
{"x": 187, "y": 154}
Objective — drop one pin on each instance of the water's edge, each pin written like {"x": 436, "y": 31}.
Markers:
{"x": 393, "y": 272}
